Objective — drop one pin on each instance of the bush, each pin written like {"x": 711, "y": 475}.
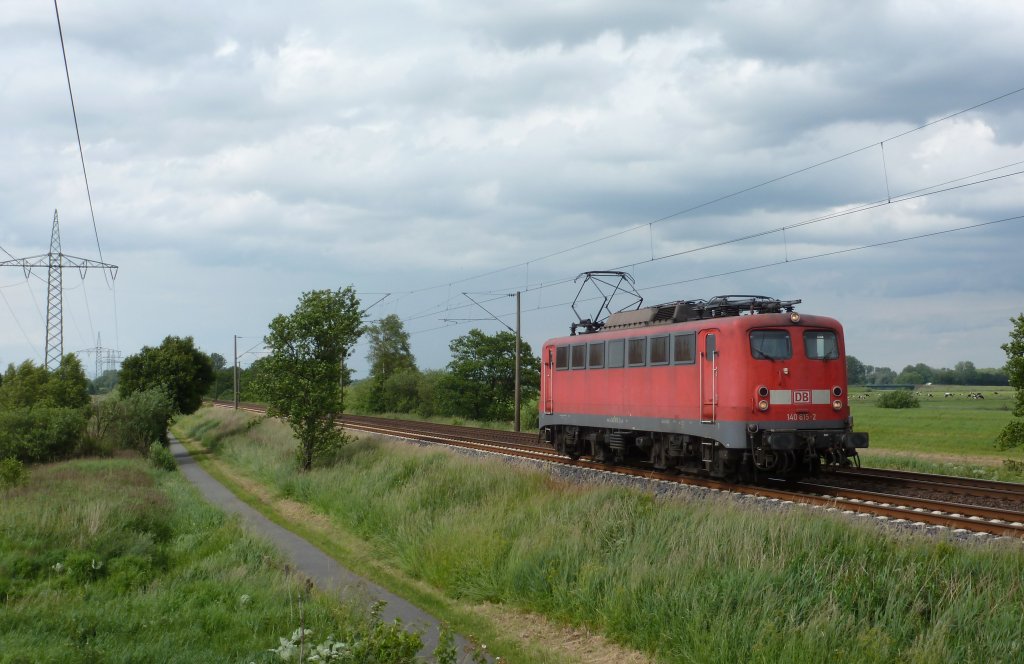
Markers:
{"x": 12, "y": 473}
{"x": 898, "y": 399}
{"x": 161, "y": 457}
{"x": 1012, "y": 435}
{"x": 357, "y": 397}
{"x": 40, "y": 434}
{"x": 132, "y": 422}
{"x": 529, "y": 415}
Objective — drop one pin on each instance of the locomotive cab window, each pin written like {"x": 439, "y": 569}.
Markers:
{"x": 770, "y": 345}
{"x": 579, "y": 356}
{"x": 637, "y": 352}
{"x": 658, "y": 350}
{"x": 562, "y": 357}
{"x": 595, "y": 355}
{"x": 684, "y": 347}
{"x": 821, "y": 345}
{"x": 710, "y": 347}
{"x": 616, "y": 354}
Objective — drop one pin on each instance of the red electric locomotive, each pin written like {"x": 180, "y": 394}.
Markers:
{"x": 735, "y": 387}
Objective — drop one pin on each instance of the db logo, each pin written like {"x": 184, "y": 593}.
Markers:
{"x": 801, "y": 396}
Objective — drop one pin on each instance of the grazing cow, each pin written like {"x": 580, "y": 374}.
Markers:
{"x": 948, "y": 394}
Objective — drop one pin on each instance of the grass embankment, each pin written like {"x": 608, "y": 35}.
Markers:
{"x": 951, "y": 435}
{"x": 683, "y": 580}
{"x": 115, "y": 561}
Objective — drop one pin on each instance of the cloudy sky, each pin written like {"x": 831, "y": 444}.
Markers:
{"x": 240, "y": 153}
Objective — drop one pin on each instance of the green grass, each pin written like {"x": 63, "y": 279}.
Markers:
{"x": 500, "y": 425}
{"x": 116, "y": 561}
{"x": 949, "y": 435}
{"x": 218, "y": 430}
{"x": 697, "y": 580}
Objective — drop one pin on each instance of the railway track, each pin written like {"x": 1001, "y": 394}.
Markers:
{"x": 963, "y": 505}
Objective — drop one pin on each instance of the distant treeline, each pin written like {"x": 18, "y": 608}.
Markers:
{"x": 478, "y": 383}
{"x": 963, "y": 373}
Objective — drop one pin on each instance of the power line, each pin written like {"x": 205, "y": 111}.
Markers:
{"x": 943, "y": 187}
{"x": 874, "y": 245}
{"x": 78, "y": 135}
{"x": 18, "y": 323}
{"x": 725, "y": 197}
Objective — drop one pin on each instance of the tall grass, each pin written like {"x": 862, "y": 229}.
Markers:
{"x": 1008, "y": 471}
{"x": 114, "y": 561}
{"x": 684, "y": 580}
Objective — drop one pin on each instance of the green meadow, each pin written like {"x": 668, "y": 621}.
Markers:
{"x": 115, "y": 561}
{"x": 951, "y": 435}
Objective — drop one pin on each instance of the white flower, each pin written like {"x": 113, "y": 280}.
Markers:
{"x": 244, "y": 600}
{"x": 59, "y": 567}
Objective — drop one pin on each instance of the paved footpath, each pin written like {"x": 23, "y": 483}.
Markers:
{"x": 323, "y": 570}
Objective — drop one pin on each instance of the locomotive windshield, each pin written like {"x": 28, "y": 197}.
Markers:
{"x": 770, "y": 345}
{"x": 821, "y": 345}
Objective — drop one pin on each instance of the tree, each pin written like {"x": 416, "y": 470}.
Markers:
{"x": 389, "y": 354}
{"x": 911, "y": 376}
{"x": 880, "y": 376}
{"x": 23, "y": 386}
{"x": 481, "y": 379}
{"x": 966, "y": 373}
{"x": 106, "y": 382}
{"x": 223, "y": 384}
{"x": 856, "y": 372}
{"x": 301, "y": 378}
{"x": 176, "y": 365}
{"x": 917, "y": 374}
{"x": 67, "y": 386}
{"x": 1012, "y": 434}
{"x": 217, "y": 361}
{"x": 42, "y": 414}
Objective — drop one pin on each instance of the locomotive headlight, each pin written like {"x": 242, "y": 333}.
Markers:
{"x": 762, "y": 405}
{"x": 837, "y": 404}
{"x": 794, "y": 317}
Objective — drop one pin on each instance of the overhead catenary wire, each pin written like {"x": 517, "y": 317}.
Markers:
{"x": 751, "y": 268}
{"x": 938, "y": 188}
{"x": 932, "y": 189}
{"x": 725, "y": 197}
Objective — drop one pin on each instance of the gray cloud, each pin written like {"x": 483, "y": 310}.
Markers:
{"x": 241, "y": 153}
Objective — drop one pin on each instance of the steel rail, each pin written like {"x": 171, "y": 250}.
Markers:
{"x": 950, "y": 484}
{"x": 914, "y": 503}
{"x": 892, "y": 508}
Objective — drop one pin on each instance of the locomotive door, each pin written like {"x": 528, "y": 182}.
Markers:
{"x": 708, "y": 375}
{"x": 548, "y": 387}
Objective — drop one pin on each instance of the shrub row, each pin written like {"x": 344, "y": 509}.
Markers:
{"x": 37, "y": 434}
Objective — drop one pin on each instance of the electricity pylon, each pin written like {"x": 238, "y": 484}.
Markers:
{"x": 106, "y": 358}
{"x": 55, "y": 263}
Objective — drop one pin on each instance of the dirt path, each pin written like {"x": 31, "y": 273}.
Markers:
{"x": 567, "y": 644}
{"x": 325, "y": 572}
